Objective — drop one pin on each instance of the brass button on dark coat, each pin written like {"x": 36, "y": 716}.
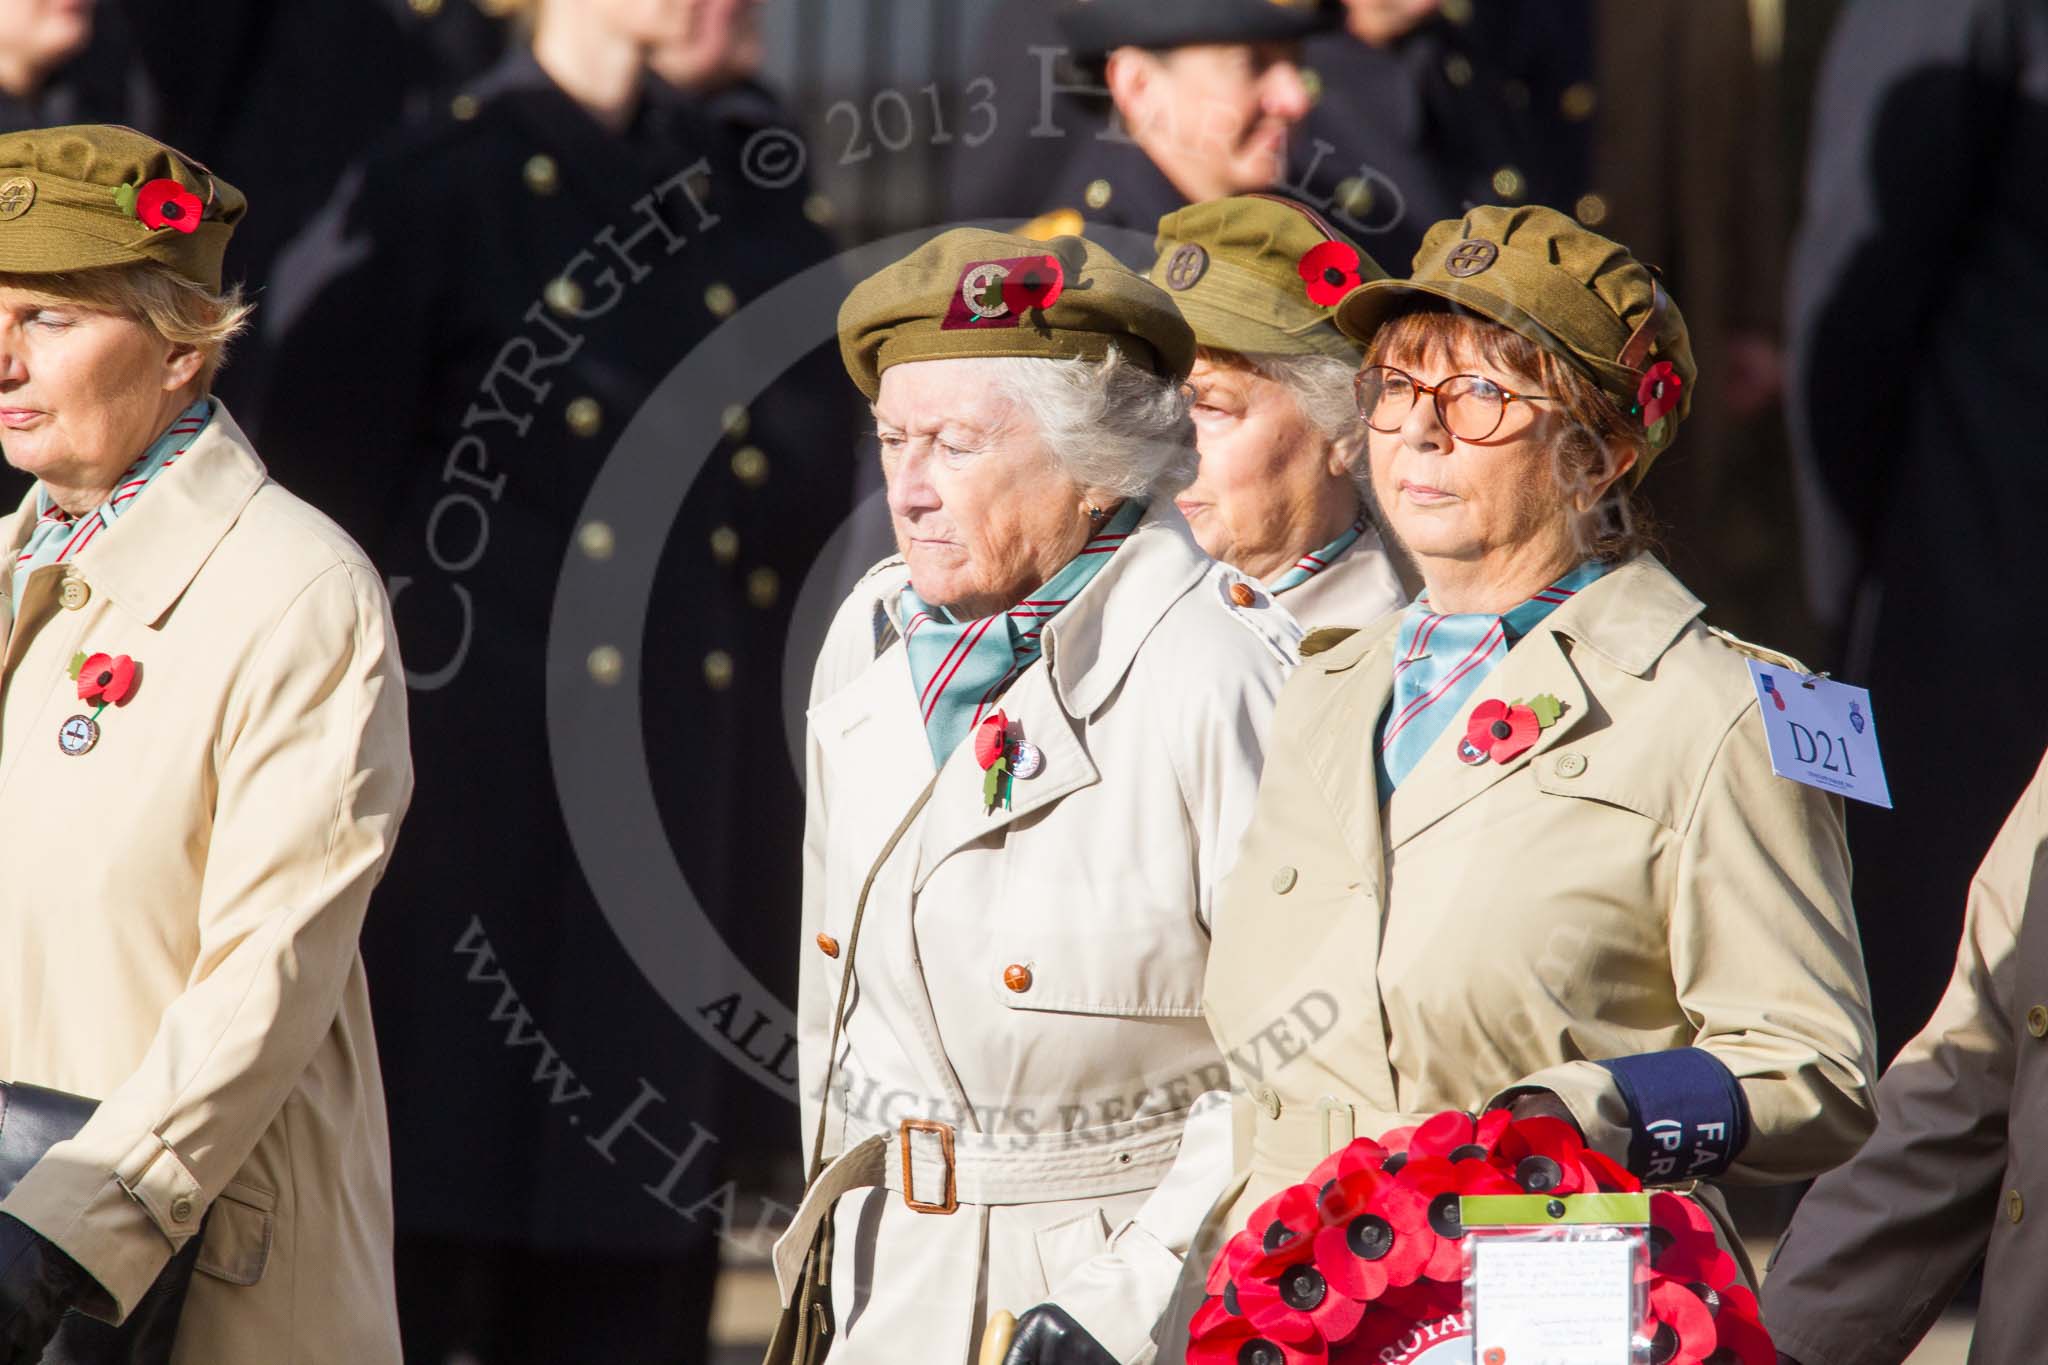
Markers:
{"x": 1017, "y": 977}
{"x": 2037, "y": 1021}
{"x": 828, "y": 945}
{"x": 2015, "y": 1207}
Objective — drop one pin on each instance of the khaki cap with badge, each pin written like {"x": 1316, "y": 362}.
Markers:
{"x": 973, "y": 292}
{"x": 1261, "y": 275}
{"x": 94, "y": 195}
{"x": 1578, "y": 294}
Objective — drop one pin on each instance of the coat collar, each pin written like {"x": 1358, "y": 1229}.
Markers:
{"x": 1630, "y": 617}
{"x": 144, "y": 562}
{"x": 1089, "y": 646}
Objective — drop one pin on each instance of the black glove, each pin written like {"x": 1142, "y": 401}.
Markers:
{"x": 1047, "y": 1336}
{"x": 37, "y": 1283}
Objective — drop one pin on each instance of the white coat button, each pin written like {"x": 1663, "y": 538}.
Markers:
{"x": 1268, "y": 1099}
{"x": 74, "y": 594}
{"x": 1570, "y": 764}
{"x": 181, "y": 1210}
{"x": 1283, "y": 881}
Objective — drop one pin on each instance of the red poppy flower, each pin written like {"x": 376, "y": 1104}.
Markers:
{"x": 167, "y": 204}
{"x": 1441, "y": 1183}
{"x": 1680, "y": 1326}
{"x": 1235, "y": 1341}
{"x": 1658, "y": 392}
{"x": 1683, "y": 1246}
{"x": 1739, "y": 1335}
{"x": 1546, "y": 1155}
{"x": 1360, "y": 1154}
{"x": 1376, "y": 1235}
{"x": 1330, "y": 270}
{"x": 1426, "y": 1300}
{"x": 988, "y": 739}
{"x": 1458, "y": 1136}
{"x": 1238, "y": 1253}
{"x": 1285, "y": 1227}
{"x": 1611, "y": 1174}
{"x": 1300, "y": 1297}
{"x": 1498, "y": 731}
{"x": 106, "y": 679}
{"x": 1037, "y": 285}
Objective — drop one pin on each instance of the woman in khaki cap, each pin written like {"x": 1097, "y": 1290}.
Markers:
{"x": 1034, "y": 737}
{"x": 1282, "y": 492}
{"x": 1527, "y": 833}
{"x": 203, "y": 765}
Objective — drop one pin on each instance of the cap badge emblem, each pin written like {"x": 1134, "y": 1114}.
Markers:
{"x": 1471, "y": 256}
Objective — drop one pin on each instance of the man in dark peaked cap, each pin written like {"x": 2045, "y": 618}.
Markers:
{"x": 1206, "y": 94}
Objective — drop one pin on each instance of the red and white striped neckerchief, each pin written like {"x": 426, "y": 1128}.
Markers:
{"x": 1440, "y": 660}
{"x": 960, "y": 668}
{"x": 1309, "y": 565}
{"x": 59, "y": 538}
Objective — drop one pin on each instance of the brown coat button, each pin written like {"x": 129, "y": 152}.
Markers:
{"x": 2037, "y": 1021}
{"x": 1017, "y": 977}
{"x": 1242, "y": 594}
{"x": 828, "y": 945}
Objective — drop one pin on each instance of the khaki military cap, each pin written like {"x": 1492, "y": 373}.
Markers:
{"x": 96, "y": 195}
{"x": 1261, "y": 275}
{"x": 1537, "y": 272}
{"x": 974, "y": 292}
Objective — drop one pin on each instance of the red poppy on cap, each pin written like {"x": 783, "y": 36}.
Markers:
{"x": 1330, "y": 270}
{"x": 1498, "y": 731}
{"x": 1038, "y": 284}
{"x": 167, "y": 204}
{"x": 106, "y": 679}
{"x": 1658, "y": 393}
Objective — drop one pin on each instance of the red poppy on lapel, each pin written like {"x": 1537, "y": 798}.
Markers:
{"x": 1499, "y": 732}
{"x": 107, "y": 679}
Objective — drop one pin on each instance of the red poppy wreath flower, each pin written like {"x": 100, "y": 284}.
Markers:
{"x": 1442, "y": 1183}
{"x": 1683, "y": 1246}
{"x": 167, "y": 204}
{"x": 1330, "y": 270}
{"x": 1298, "y": 1300}
{"x": 1498, "y": 731}
{"x": 1359, "y": 1154}
{"x": 1457, "y": 1136}
{"x": 1547, "y": 1155}
{"x": 1235, "y": 1341}
{"x": 106, "y": 679}
{"x": 1680, "y": 1326}
{"x": 1285, "y": 1226}
{"x": 1739, "y": 1334}
{"x": 1037, "y": 285}
{"x": 1658, "y": 392}
{"x": 1377, "y": 1235}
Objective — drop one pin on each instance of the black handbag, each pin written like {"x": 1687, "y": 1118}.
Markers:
{"x": 33, "y": 1120}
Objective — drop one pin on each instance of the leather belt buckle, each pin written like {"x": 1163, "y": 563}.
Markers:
{"x": 944, "y": 1133}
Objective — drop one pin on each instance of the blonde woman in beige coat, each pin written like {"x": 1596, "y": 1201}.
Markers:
{"x": 1599, "y": 904}
{"x": 203, "y": 765}
{"x": 1023, "y": 1046}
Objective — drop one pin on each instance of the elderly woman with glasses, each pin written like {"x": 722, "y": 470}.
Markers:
{"x": 1281, "y": 494}
{"x": 1527, "y": 833}
{"x": 1034, "y": 738}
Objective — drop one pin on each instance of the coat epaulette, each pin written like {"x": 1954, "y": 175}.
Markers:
{"x": 1325, "y": 638}
{"x": 1769, "y": 656}
{"x": 1257, "y": 610}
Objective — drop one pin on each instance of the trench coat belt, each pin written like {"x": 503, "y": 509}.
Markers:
{"x": 938, "y": 1169}
{"x": 1290, "y": 1144}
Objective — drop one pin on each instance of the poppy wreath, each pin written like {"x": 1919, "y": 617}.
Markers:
{"x": 1369, "y": 1249}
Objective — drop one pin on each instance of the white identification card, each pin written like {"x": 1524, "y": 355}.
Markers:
{"x": 1822, "y": 733}
{"x": 1553, "y": 1303}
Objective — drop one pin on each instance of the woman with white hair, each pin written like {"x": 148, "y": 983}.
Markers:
{"x": 1034, "y": 737}
{"x": 1281, "y": 494}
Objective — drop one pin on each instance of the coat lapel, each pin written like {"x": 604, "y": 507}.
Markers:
{"x": 1339, "y": 743}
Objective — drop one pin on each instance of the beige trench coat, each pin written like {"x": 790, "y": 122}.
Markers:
{"x": 1029, "y": 979}
{"x": 1639, "y": 880}
{"x": 1363, "y": 585}
{"x": 179, "y": 913}
{"x": 1957, "y": 1170}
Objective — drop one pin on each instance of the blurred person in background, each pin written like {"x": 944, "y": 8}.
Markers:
{"x": 1916, "y": 377}
{"x": 68, "y": 61}
{"x": 1425, "y": 106}
{"x": 1282, "y": 493}
{"x": 1206, "y": 94}
{"x": 454, "y": 346}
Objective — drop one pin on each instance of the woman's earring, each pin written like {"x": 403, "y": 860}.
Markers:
{"x": 1096, "y": 514}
